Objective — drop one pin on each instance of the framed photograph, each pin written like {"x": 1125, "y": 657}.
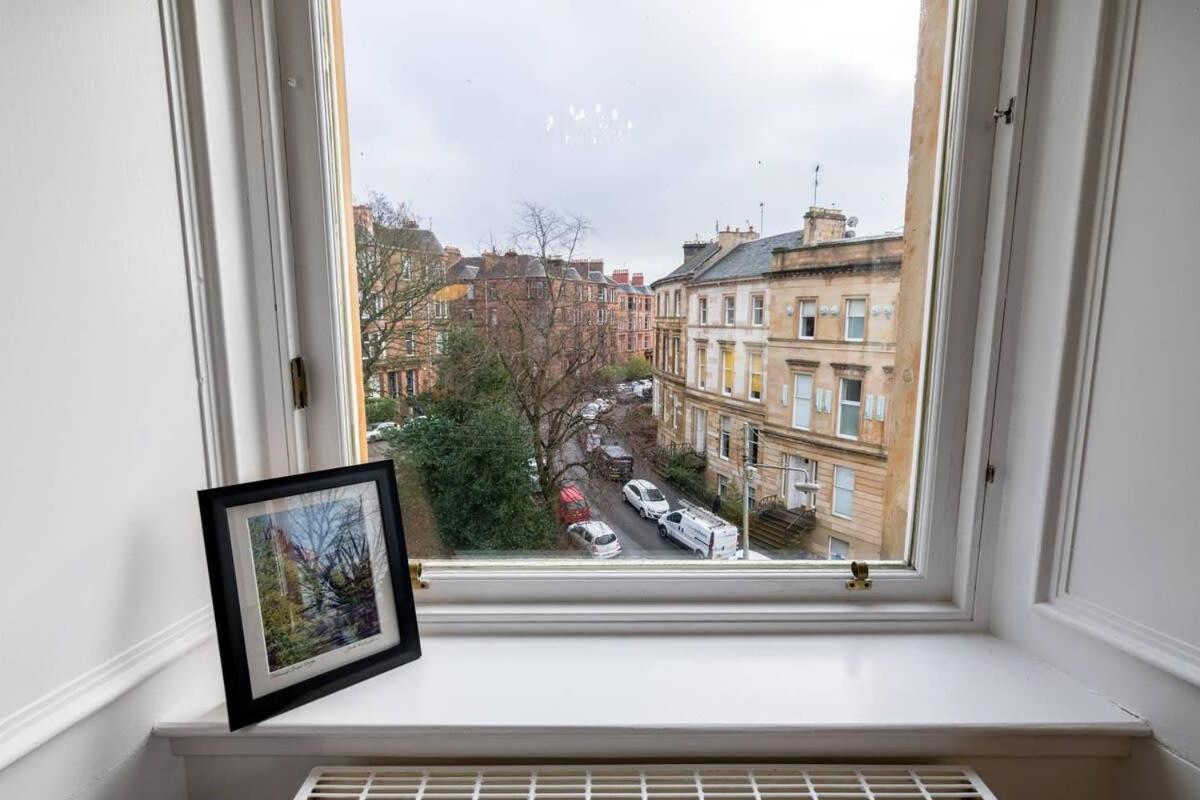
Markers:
{"x": 310, "y": 586}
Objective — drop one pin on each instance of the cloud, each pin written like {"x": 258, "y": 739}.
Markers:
{"x": 720, "y": 106}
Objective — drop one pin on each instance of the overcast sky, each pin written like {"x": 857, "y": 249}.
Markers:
{"x": 706, "y": 109}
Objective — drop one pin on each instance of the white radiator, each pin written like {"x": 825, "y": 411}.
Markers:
{"x": 678, "y": 782}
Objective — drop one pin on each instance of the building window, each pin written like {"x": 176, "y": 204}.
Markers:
{"x": 406, "y": 268}
{"x": 756, "y": 376}
{"x": 802, "y": 402}
{"x": 410, "y": 382}
{"x": 839, "y": 549}
{"x": 441, "y": 309}
{"x": 492, "y": 317}
{"x": 756, "y": 309}
{"x": 727, "y": 372}
{"x": 699, "y": 430}
{"x": 856, "y": 319}
{"x": 393, "y": 380}
{"x": 410, "y": 342}
{"x": 849, "y": 406}
{"x": 701, "y": 367}
{"x": 726, "y": 431}
{"x": 808, "y": 319}
{"x": 843, "y": 492}
{"x": 751, "y": 496}
{"x": 470, "y": 291}
{"x": 722, "y": 485}
{"x": 439, "y": 343}
{"x": 729, "y": 310}
{"x": 703, "y": 310}
{"x": 675, "y": 308}
{"x": 408, "y": 310}
{"x": 753, "y": 445}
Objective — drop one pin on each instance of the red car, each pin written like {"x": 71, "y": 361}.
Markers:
{"x": 572, "y": 505}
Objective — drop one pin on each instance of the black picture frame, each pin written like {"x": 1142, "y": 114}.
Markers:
{"x": 245, "y": 709}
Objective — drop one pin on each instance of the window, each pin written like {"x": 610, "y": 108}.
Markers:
{"x": 802, "y": 401}
{"x": 410, "y": 382}
{"x": 856, "y": 319}
{"x": 839, "y": 549}
{"x": 722, "y": 485}
{"x": 440, "y": 343}
{"x": 441, "y": 309}
{"x": 752, "y": 441}
{"x": 703, "y": 310}
{"x": 756, "y": 376}
{"x": 699, "y": 430}
{"x": 808, "y": 319}
{"x": 410, "y": 342}
{"x": 701, "y": 367}
{"x": 726, "y": 432}
{"x": 562, "y": 140}
{"x": 849, "y": 404}
{"x": 752, "y": 497}
{"x": 843, "y": 492}
{"x": 470, "y": 291}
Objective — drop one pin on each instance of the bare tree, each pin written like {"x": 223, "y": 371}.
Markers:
{"x": 551, "y": 327}
{"x": 400, "y": 267}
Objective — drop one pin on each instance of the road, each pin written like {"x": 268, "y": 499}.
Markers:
{"x": 639, "y": 537}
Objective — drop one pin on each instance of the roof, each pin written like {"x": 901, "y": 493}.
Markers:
{"x": 408, "y": 238}
{"x": 748, "y": 259}
{"x": 691, "y": 264}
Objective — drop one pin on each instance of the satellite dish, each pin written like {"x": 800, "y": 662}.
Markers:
{"x": 852, "y": 222}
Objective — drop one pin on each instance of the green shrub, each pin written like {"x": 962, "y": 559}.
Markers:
{"x": 637, "y": 368}
{"x": 380, "y": 409}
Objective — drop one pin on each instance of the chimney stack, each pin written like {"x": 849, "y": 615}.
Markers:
{"x": 363, "y": 218}
{"x": 452, "y": 254}
{"x": 729, "y": 239}
{"x": 621, "y": 275}
{"x": 823, "y": 225}
{"x": 691, "y": 248}
{"x": 639, "y": 279}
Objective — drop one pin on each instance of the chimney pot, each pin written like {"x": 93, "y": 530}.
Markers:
{"x": 639, "y": 279}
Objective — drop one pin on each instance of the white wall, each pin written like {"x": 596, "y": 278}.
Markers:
{"x": 100, "y": 447}
{"x": 1125, "y": 621}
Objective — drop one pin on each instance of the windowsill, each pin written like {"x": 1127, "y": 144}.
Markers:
{"x": 817, "y": 695}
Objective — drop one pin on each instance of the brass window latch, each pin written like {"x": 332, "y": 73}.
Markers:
{"x": 414, "y": 575}
{"x": 861, "y": 576}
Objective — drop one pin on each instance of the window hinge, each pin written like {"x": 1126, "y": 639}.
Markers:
{"x": 299, "y": 384}
{"x": 414, "y": 575}
{"x": 861, "y": 576}
{"x": 989, "y": 474}
{"x": 1007, "y": 113}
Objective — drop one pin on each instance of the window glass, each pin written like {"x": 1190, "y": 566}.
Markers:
{"x": 843, "y": 492}
{"x": 530, "y": 225}
{"x": 856, "y": 319}
{"x": 802, "y": 402}
{"x": 848, "y": 408}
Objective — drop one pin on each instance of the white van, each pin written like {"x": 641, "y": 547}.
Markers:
{"x": 703, "y": 533}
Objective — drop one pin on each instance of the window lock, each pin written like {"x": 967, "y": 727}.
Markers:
{"x": 861, "y": 576}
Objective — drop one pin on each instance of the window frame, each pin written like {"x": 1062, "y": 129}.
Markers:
{"x": 800, "y": 303}
{"x": 841, "y": 404}
{"x": 701, "y": 367}
{"x": 702, "y": 310}
{"x": 750, "y": 373}
{"x": 838, "y": 469}
{"x": 728, "y": 310}
{"x": 758, "y": 307}
{"x": 796, "y": 398}
{"x": 846, "y": 324}
{"x": 298, "y": 212}
{"x": 728, "y": 374}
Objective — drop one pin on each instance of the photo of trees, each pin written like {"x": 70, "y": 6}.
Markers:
{"x": 312, "y": 565}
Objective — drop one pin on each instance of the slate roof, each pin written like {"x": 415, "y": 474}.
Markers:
{"x": 748, "y": 259}
{"x": 408, "y": 238}
{"x": 690, "y": 265}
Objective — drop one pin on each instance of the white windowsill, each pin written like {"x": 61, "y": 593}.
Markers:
{"x": 670, "y": 697}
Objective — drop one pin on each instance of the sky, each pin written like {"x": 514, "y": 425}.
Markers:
{"x": 655, "y": 120}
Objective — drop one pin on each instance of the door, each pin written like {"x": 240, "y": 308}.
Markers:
{"x": 700, "y": 430}
{"x": 799, "y": 470}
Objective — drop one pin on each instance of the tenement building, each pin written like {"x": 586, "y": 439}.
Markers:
{"x": 785, "y": 354}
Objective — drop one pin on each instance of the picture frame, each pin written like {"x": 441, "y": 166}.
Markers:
{"x": 310, "y": 586}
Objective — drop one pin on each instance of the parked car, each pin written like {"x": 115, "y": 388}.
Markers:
{"x": 589, "y": 411}
{"x": 572, "y": 505}
{"x": 703, "y": 533}
{"x": 614, "y": 462}
{"x": 376, "y": 430}
{"x": 596, "y": 537}
{"x": 646, "y": 498}
{"x": 603, "y": 404}
{"x": 591, "y": 440}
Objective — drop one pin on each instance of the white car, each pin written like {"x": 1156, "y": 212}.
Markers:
{"x": 646, "y": 498}
{"x": 376, "y": 430}
{"x": 596, "y": 537}
{"x": 603, "y": 404}
{"x": 589, "y": 411}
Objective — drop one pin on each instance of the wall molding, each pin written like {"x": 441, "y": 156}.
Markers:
{"x": 37, "y": 723}
{"x": 1114, "y": 70}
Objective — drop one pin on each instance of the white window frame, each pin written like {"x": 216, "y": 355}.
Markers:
{"x": 833, "y": 501}
{"x": 268, "y": 73}
{"x": 702, "y": 310}
{"x": 724, "y": 437}
{"x": 750, "y": 373}
{"x": 842, "y": 402}
{"x": 729, "y": 310}
{"x": 829, "y": 547}
{"x": 800, "y": 315}
{"x": 728, "y": 376}
{"x": 758, "y": 309}
{"x": 846, "y": 325}
{"x": 796, "y": 399}
{"x": 701, "y": 367}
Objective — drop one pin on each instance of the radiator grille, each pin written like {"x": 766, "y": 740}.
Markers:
{"x": 775, "y": 782}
